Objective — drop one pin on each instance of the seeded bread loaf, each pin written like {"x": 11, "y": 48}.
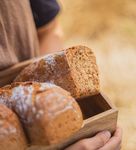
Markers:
{"x": 73, "y": 69}
{"x": 48, "y": 113}
{"x": 11, "y": 133}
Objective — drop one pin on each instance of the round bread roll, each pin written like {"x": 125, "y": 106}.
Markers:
{"x": 49, "y": 113}
{"x": 73, "y": 69}
{"x": 11, "y": 133}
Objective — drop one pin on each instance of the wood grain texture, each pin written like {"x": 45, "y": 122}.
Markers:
{"x": 97, "y": 103}
{"x": 8, "y": 75}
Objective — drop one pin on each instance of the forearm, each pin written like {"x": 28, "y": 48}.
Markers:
{"x": 50, "y": 38}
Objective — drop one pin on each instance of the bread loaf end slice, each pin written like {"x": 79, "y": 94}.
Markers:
{"x": 73, "y": 69}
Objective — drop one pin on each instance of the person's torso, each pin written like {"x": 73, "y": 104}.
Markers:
{"x": 18, "y": 38}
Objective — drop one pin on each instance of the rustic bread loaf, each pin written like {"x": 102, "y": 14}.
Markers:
{"x": 73, "y": 69}
{"x": 11, "y": 133}
{"x": 48, "y": 113}
{"x": 5, "y": 94}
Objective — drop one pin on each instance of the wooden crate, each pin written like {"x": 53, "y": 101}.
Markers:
{"x": 99, "y": 113}
{"x": 8, "y": 75}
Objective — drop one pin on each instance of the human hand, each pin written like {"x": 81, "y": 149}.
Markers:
{"x": 102, "y": 141}
{"x": 115, "y": 142}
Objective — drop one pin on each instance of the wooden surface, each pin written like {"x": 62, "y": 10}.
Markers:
{"x": 99, "y": 115}
{"x": 7, "y": 76}
{"x": 97, "y": 103}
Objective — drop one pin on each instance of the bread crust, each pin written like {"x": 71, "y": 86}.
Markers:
{"x": 48, "y": 113}
{"x": 11, "y": 133}
{"x": 73, "y": 69}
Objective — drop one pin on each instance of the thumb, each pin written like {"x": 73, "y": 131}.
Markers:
{"x": 93, "y": 143}
{"x": 99, "y": 140}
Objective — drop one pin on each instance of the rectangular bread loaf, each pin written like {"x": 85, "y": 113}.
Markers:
{"x": 73, "y": 69}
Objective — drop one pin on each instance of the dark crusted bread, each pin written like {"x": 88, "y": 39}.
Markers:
{"x": 11, "y": 133}
{"x": 73, "y": 69}
{"x": 48, "y": 113}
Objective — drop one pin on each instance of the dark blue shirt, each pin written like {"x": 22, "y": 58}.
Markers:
{"x": 44, "y": 11}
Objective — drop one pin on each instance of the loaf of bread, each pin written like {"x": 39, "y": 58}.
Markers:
{"x": 48, "y": 113}
{"x": 73, "y": 69}
{"x": 11, "y": 133}
{"x": 5, "y": 94}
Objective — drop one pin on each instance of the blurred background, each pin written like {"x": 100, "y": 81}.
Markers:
{"x": 109, "y": 28}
